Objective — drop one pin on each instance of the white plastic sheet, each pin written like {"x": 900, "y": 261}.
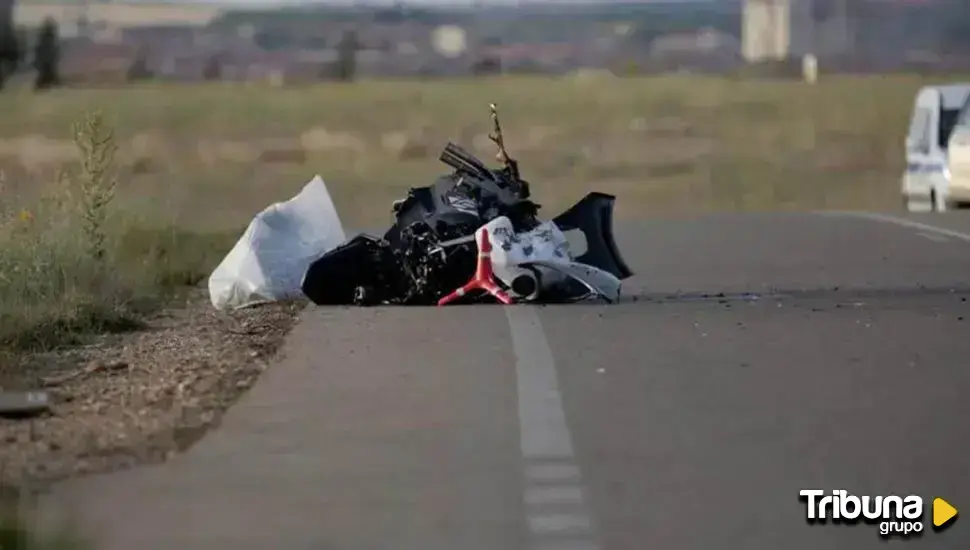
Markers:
{"x": 269, "y": 260}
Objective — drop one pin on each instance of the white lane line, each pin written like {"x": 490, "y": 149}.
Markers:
{"x": 933, "y": 237}
{"x": 558, "y": 524}
{"x": 556, "y": 512}
{"x": 545, "y": 434}
{"x": 557, "y": 494}
{"x": 570, "y": 544}
{"x": 886, "y": 218}
{"x": 551, "y": 472}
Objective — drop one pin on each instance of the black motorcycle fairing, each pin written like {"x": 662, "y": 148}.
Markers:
{"x": 593, "y": 216}
{"x": 428, "y": 205}
{"x": 465, "y": 199}
{"x": 362, "y": 268}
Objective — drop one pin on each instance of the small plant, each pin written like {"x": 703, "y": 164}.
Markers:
{"x": 96, "y": 143}
{"x": 74, "y": 263}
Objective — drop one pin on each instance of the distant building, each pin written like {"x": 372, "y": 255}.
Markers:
{"x": 783, "y": 29}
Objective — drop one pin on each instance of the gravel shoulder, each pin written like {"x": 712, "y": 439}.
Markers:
{"x": 139, "y": 397}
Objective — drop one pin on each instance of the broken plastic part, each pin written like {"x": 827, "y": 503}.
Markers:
{"x": 593, "y": 216}
{"x": 484, "y": 278}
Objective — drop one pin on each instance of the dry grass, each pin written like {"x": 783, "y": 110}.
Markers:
{"x": 194, "y": 163}
{"x": 73, "y": 263}
{"x": 664, "y": 145}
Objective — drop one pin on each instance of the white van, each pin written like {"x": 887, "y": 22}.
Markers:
{"x": 927, "y": 184}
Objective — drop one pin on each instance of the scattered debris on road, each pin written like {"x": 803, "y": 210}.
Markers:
{"x": 23, "y": 404}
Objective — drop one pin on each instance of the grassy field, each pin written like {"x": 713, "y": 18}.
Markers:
{"x": 194, "y": 163}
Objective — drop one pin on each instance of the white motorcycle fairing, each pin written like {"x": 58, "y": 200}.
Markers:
{"x": 539, "y": 261}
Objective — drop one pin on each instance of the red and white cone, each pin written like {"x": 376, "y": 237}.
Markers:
{"x": 484, "y": 278}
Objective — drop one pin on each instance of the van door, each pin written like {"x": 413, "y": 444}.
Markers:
{"x": 921, "y": 148}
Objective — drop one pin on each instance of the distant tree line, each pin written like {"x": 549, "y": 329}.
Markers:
{"x": 14, "y": 44}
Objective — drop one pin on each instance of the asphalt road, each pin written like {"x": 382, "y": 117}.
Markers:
{"x": 754, "y": 356}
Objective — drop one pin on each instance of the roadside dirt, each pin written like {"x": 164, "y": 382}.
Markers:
{"x": 139, "y": 397}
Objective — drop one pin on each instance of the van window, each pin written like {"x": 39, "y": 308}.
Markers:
{"x": 948, "y": 121}
{"x": 963, "y": 120}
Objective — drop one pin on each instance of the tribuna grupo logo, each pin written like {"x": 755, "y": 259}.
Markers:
{"x": 895, "y": 515}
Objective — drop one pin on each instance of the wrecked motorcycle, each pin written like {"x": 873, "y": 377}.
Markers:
{"x": 474, "y": 222}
